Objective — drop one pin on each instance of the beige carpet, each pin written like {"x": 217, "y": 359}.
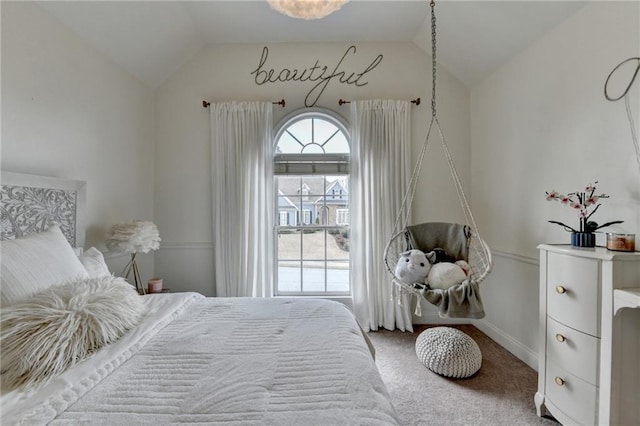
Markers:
{"x": 500, "y": 393}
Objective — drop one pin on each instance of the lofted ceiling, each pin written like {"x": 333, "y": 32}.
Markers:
{"x": 152, "y": 39}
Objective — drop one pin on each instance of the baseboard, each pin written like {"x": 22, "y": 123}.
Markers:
{"x": 522, "y": 352}
{"x": 427, "y": 319}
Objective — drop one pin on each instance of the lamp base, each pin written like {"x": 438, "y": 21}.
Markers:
{"x": 132, "y": 266}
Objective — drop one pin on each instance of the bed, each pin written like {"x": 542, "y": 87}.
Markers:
{"x": 195, "y": 359}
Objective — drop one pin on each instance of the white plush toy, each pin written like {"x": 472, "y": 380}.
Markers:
{"x": 445, "y": 274}
{"x": 413, "y": 267}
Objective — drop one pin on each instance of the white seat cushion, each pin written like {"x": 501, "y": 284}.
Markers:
{"x": 448, "y": 352}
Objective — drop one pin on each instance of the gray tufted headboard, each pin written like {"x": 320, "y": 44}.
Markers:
{"x": 30, "y": 203}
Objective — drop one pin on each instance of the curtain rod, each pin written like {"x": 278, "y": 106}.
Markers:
{"x": 281, "y": 102}
{"x": 342, "y": 102}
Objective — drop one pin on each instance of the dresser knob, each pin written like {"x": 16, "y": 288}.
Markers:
{"x": 560, "y": 338}
{"x": 561, "y": 290}
{"x": 559, "y": 381}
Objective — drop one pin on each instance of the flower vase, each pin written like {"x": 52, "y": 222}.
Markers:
{"x": 583, "y": 239}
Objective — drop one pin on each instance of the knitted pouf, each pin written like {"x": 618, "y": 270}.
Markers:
{"x": 448, "y": 352}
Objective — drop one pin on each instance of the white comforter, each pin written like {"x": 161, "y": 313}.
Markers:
{"x": 220, "y": 360}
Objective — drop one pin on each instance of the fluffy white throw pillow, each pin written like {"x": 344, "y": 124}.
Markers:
{"x": 45, "y": 334}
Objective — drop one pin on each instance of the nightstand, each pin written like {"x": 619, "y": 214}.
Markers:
{"x": 589, "y": 360}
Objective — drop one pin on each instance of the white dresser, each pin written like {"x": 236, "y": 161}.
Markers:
{"x": 589, "y": 361}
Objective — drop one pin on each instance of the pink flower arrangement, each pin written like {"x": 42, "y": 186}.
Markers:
{"x": 586, "y": 203}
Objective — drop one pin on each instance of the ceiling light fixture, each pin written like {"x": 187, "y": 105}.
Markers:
{"x": 306, "y": 9}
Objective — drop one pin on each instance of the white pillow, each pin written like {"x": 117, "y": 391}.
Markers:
{"x": 93, "y": 261}
{"x": 45, "y": 334}
{"x": 36, "y": 262}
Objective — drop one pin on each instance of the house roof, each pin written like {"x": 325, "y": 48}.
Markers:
{"x": 291, "y": 185}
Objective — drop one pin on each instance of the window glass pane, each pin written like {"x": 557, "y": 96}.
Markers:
{"x": 337, "y": 145}
{"x": 338, "y": 244}
{"x": 338, "y": 276}
{"x": 313, "y": 245}
{"x": 289, "y": 186}
{"x": 312, "y": 149}
{"x": 288, "y": 244}
{"x": 288, "y": 145}
{"x": 289, "y": 277}
{"x": 301, "y": 130}
{"x": 330, "y": 137}
{"x": 313, "y": 277}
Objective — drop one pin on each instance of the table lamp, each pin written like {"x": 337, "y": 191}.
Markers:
{"x": 133, "y": 238}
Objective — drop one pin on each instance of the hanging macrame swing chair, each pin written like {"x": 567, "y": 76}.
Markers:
{"x": 461, "y": 241}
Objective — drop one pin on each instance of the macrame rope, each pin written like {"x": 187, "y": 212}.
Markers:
{"x": 407, "y": 201}
{"x": 481, "y": 252}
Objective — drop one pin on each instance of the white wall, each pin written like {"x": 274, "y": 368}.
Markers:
{"x": 541, "y": 122}
{"x": 69, "y": 112}
{"x": 222, "y": 73}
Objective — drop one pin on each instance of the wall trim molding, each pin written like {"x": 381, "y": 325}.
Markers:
{"x": 198, "y": 245}
{"x": 187, "y": 245}
{"x": 434, "y": 318}
{"x": 516, "y": 257}
{"x": 522, "y": 352}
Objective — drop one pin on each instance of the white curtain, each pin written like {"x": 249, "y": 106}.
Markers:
{"x": 242, "y": 196}
{"x": 380, "y": 173}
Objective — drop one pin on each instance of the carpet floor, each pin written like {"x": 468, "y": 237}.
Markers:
{"x": 500, "y": 393}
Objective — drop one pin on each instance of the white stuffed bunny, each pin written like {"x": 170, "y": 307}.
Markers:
{"x": 413, "y": 267}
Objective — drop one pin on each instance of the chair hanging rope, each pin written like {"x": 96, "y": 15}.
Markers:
{"x": 479, "y": 255}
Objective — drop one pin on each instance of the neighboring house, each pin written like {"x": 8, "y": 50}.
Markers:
{"x": 314, "y": 200}
{"x": 337, "y": 201}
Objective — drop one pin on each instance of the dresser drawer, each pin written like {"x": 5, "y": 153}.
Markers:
{"x": 573, "y": 289}
{"x": 576, "y": 397}
{"x": 573, "y": 351}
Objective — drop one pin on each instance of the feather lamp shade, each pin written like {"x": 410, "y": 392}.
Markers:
{"x": 135, "y": 237}
{"x": 138, "y": 236}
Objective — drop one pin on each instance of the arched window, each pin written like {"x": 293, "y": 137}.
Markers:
{"x": 311, "y": 165}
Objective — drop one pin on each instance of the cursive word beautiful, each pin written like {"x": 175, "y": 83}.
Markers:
{"x": 322, "y": 75}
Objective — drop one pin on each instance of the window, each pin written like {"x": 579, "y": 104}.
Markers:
{"x": 311, "y": 165}
{"x": 342, "y": 216}
{"x": 284, "y": 218}
{"x": 304, "y": 217}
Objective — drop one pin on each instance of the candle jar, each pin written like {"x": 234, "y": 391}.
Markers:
{"x": 154, "y": 285}
{"x": 621, "y": 242}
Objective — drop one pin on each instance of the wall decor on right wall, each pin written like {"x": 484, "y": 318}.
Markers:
{"x": 625, "y": 94}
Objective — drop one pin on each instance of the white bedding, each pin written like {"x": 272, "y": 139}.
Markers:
{"x": 220, "y": 360}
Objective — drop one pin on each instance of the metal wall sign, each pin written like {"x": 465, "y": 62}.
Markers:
{"x": 318, "y": 73}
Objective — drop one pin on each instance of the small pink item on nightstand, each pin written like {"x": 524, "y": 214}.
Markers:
{"x": 155, "y": 285}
